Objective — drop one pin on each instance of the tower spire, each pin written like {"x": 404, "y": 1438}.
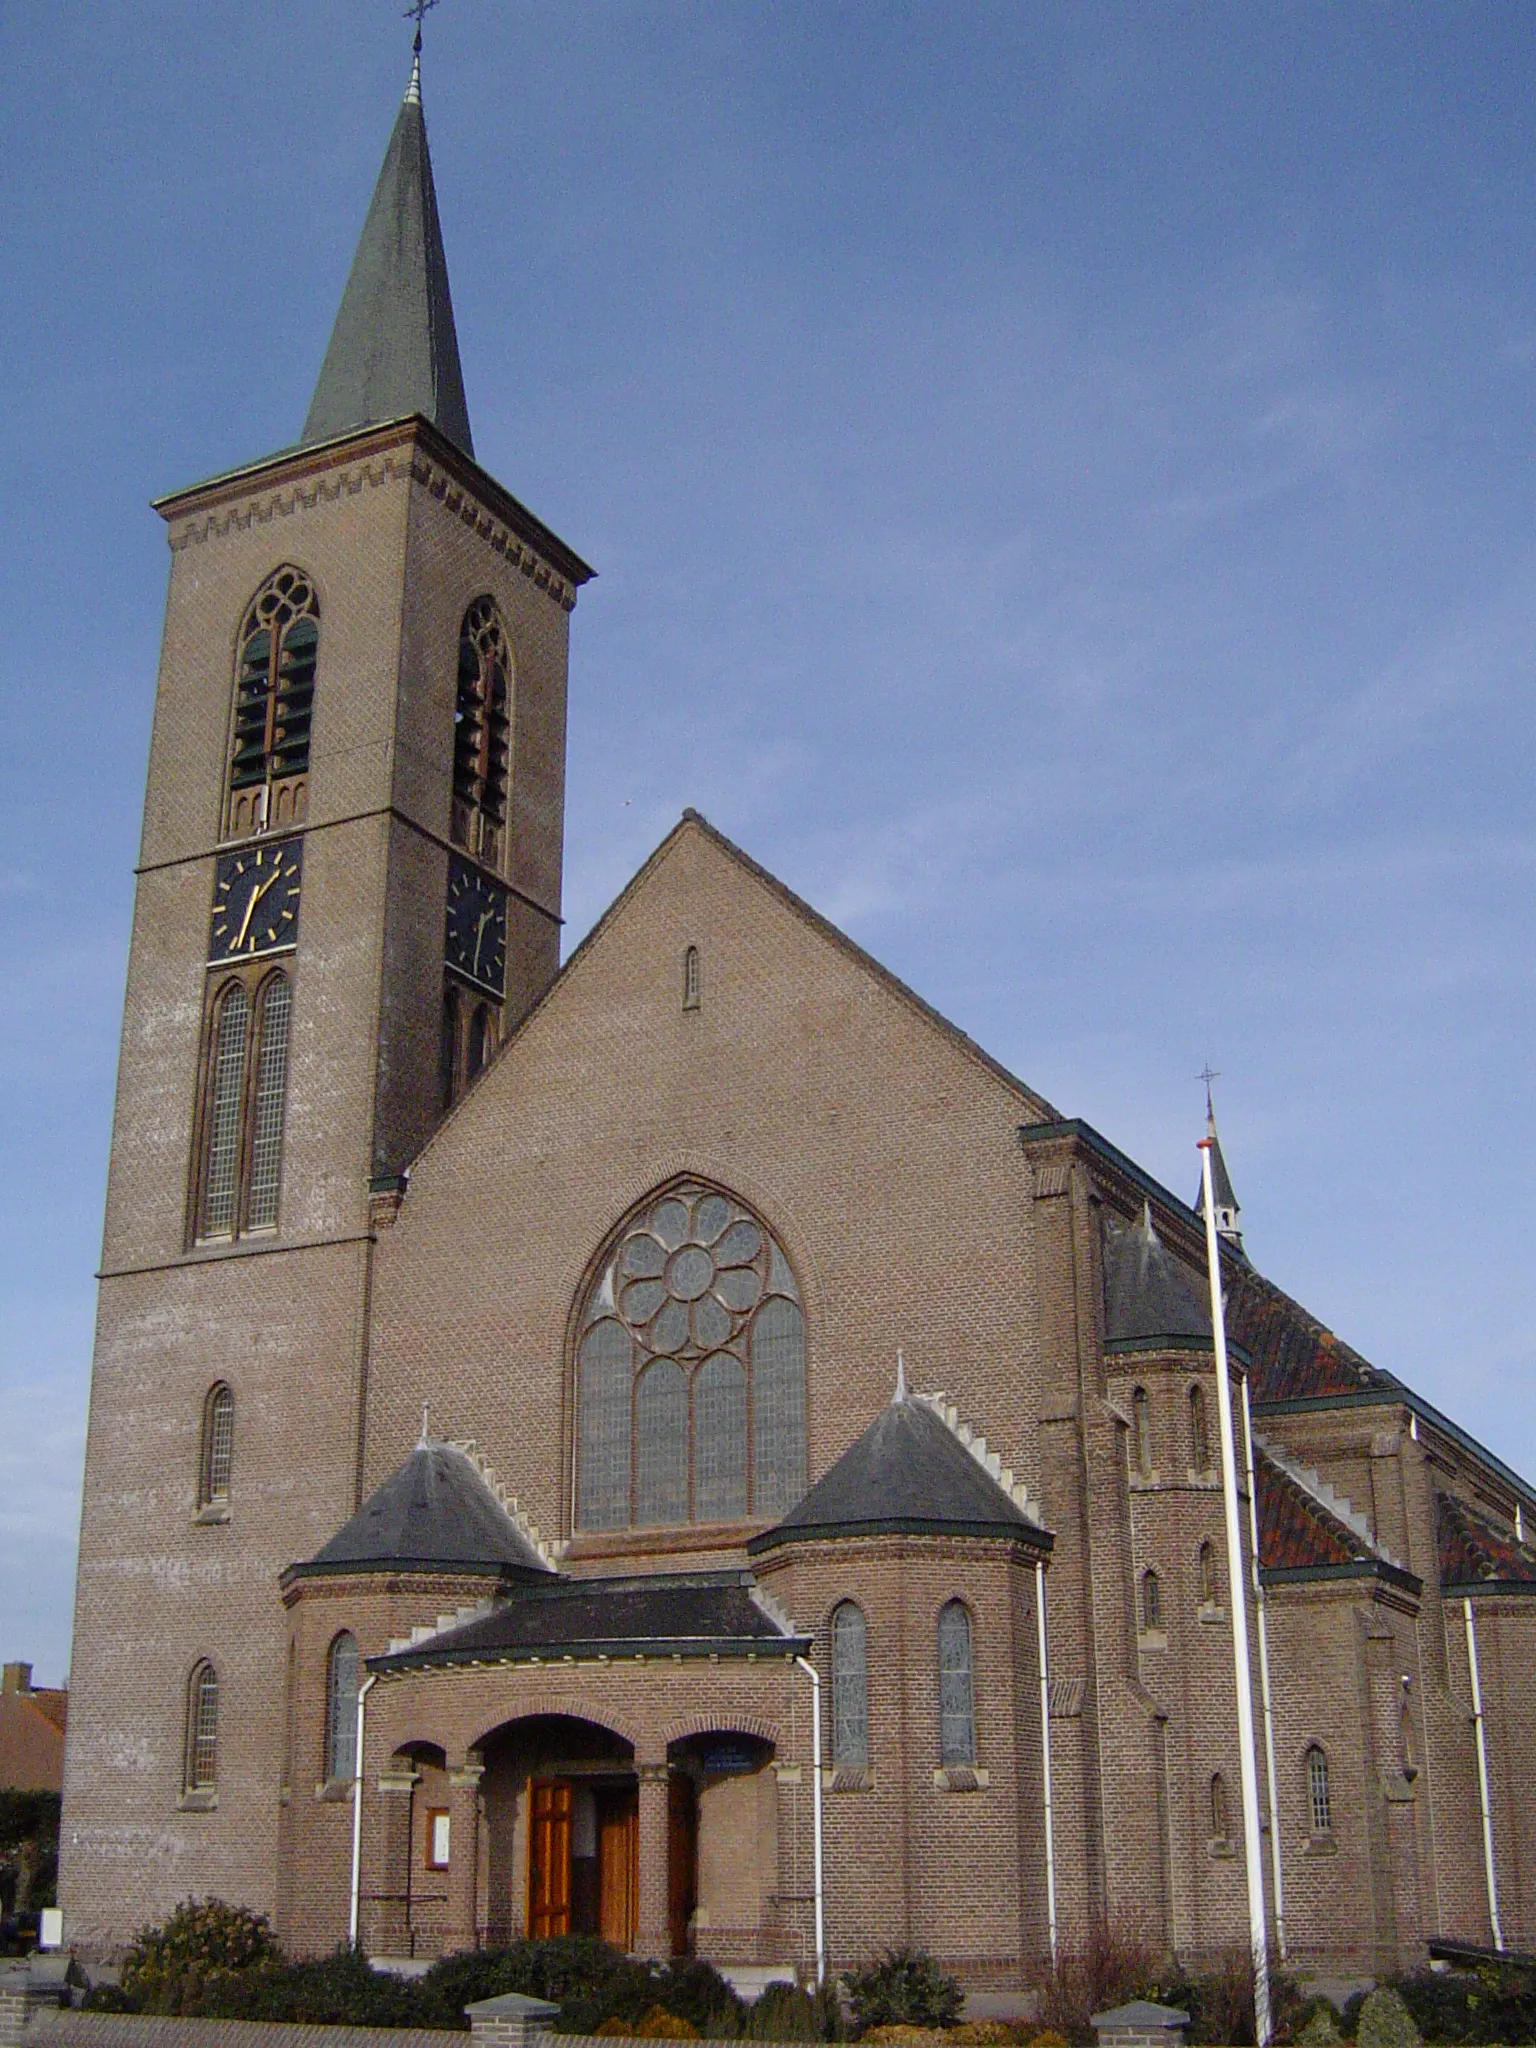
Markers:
{"x": 394, "y": 349}
{"x": 1228, "y": 1208}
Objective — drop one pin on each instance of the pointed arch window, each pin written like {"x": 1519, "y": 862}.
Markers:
{"x": 245, "y": 1086}
{"x": 1141, "y": 1416}
{"x": 482, "y": 731}
{"x": 341, "y": 1708}
{"x": 1319, "y": 1797}
{"x": 218, "y": 1447}
{"x": 693, "y": 979}
{"x": 690, "y": 1370}
{"x": 279, "y": 651}
{"x": 850, "y": 1688}
{"x": 957, "y": 1700}
{"x": 1199, "y": 1431}
{"x": 1210, "y": 1584}
{"x": 1151, "y": 1602}
{"x": 200, "y": 1770}
{"x": 1221, "y": 1817}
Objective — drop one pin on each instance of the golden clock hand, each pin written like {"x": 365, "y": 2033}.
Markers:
{"x": 485, "y": 918}
{"x": 256, "y": 896}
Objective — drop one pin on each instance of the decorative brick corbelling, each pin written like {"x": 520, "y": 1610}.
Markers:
{"x": 286, "y": 499}
{"x": 458, "y": 502}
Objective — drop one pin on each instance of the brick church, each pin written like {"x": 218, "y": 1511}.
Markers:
{"x": 496, "y": 1373}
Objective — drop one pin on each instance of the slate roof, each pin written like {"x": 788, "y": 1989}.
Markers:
{"x": 662, "y": 1614}
{"x": 394, "y": 349}
{"x": 908, "y": 1474}
{"x": 1148, "y": 1296}
{"x": 435, "y": 1513}
{"x": 1474, "y": 1554}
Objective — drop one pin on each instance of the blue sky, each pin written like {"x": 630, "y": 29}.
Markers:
{"x": 1061, "y": 483}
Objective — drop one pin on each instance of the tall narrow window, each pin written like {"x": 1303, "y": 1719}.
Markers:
{"x": 1151, "y": 1602}
{"x": 226, "y": 1101}
{"x": 482, "y": 733}
{"x": 482, "y": 1041}
{"x": 693, "y": 987}
{"x": 274, "y": 706}
{"x": 1221, "y": 1825}
{"x": 1199, "y": 1432}
{"x": 244, "y": 1095}
{"x": 341, "y": 1709}
{"x": 267, "y": 1108}
{"x": 850, "y": 1688}
{"x": 957, "y": 1703}
{"x": 1319, "y": 1800}
{"x": 201, "y": 1768}
{"x": 448, "y": 1051}
{"x": 1210, "y": 1588}
{"x": 1141, "y": 1415}
{"x": 218, "y": 1448}
{"x": 690, "y": 1369}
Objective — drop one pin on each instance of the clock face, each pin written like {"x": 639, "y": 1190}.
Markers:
{"x": 476, "y": 941}
{"x": 256, "y": 901}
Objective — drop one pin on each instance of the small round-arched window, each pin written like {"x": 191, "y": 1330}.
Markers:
{"x": 690, "y": 1370}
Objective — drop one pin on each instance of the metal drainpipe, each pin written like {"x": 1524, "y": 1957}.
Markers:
{"x": 357, "y": 1806}
{"x": 1268, "y": 1707}
{"x": 816, "y": 1879}
{"x": 1045, "y": 1758}
{"x": 1482, "y": 1778}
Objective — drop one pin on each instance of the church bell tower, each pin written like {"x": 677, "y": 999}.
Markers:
{"x": 348, "y": 892}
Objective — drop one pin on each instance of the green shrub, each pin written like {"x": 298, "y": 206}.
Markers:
{"x": 1496, "y": 2002}
{"x": 589, "y": 1981}
{"x": 336, "y": 1990}
{"x": 783, "y": 2012}
{"x": 167, "y": 1968}
{"x": 695, "y": 1991}
{"x": 1385, "y": 2022}
{"x": 903, "y": 1987}
{"x": 1318, "y": 2025}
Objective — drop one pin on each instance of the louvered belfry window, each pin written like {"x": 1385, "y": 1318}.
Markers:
{"x": 274, "y": 706}
{"x": 690, "y": 1370}
{"x": 482, "y": 733}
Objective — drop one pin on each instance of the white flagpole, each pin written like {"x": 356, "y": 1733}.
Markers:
{"x": 1253, "y": 1854}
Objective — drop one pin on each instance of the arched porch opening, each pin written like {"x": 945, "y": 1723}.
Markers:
{"x": 722, "y": 1845}
{"x": 409, "y": 1912}
{"x": 560, "y": 1799}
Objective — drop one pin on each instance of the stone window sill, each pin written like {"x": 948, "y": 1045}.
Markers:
{"x": 1152, "y": 1639}
{"x": 213, "y": 1515}
{"x": 1321, "y": 1845}
{"x": 1215, "y": 1616}
{"x": 334, "y": 1789}
{"x": 961, "y": 1778}
{"x": 849, "y": 1778}
{"x": 203, "y": 1800}
{"x": 1145, "y": 1482}
{"x": 1221, "y": 1845}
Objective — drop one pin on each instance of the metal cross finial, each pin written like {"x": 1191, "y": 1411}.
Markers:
{"x": 414, "y": 13}
{"x": 1209, "y": 1075}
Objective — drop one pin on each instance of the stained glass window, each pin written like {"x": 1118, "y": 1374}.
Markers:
{"x": 202, "y": 1760}
{"x": 957, "y": 1706}
{"x": 850, "y": 1688}
{"x": 341, "y": 1709}
{"x": 218, "y": 1444}
{"x": 690, "y": 1370}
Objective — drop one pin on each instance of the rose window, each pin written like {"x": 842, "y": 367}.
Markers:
{"x": 690, "y": 1384}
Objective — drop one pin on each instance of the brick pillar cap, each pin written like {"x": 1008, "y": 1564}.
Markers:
{"x": 1140, "y": 2013}
{"x": 512, "y": 2005}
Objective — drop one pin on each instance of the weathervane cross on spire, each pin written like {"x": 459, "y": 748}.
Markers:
{"x": 414, "y": 13}
{"x": 1208, "y": 1075}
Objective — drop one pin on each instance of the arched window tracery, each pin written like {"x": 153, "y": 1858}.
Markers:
{"x": 690, "y": 1370}
{"x": 279, "y": 649}
{"x": 482, "y": 731}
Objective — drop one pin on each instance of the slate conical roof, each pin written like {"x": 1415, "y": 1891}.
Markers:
{"x": 434, "y": 1513}
{"x": 1148, "y": 1297}
{"x": 393, "y": 349}
{"x": 907, "y": 1474}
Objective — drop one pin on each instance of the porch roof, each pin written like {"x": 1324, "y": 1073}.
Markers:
{"x": 662, "y": 1614}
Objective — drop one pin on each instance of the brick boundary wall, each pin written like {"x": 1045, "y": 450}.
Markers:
{"x": 68, "y": 2029}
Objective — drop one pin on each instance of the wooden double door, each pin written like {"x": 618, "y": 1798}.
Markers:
{"x": 584, "y": 1859}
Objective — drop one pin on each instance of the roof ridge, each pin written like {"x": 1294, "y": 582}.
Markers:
{"x": 990, "y": 1461}
{"x": 1325, "y": 1497}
